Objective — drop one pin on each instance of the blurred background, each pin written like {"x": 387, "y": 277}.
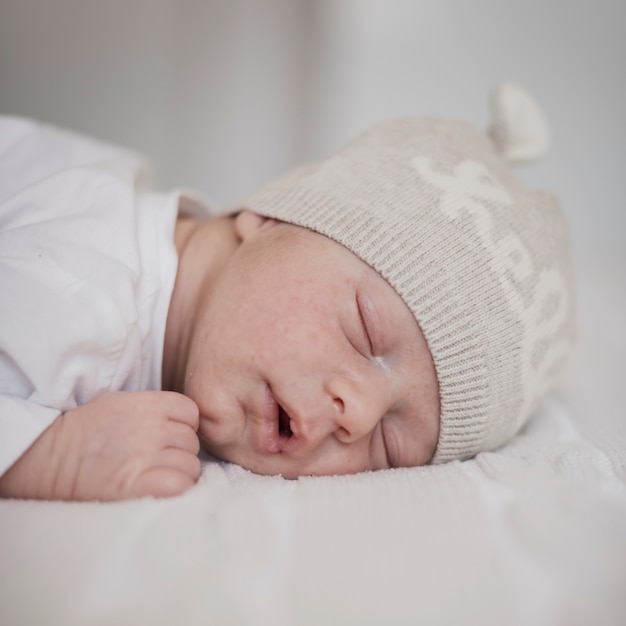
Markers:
{"x": 223, "y": 95}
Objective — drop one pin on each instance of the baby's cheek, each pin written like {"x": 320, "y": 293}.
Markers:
{"x": 207, "y": 444}
{"x": 209, "y": 432}
{"x": 218, "y": 438}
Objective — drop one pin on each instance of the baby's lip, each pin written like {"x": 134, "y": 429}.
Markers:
{"x": 279, "y": 431}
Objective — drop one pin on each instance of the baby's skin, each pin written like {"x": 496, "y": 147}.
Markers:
{"x": 294, "y": 357}
{"x": 117, "y": 446}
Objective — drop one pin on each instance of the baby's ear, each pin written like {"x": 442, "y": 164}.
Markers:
{"x": 249, "y": 224}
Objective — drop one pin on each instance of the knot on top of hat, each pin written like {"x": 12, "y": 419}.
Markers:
{"x": 519, "y": 128}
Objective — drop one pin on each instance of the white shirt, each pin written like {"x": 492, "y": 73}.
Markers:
{"x": 87, "y": 268}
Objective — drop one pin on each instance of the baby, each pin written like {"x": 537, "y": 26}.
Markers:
{"x": 404, "y": 302}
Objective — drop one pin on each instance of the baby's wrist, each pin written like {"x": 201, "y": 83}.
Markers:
{"x": 58, "y": 478}
{"x": 39, "y": 474}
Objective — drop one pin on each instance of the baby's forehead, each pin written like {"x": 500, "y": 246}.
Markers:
{"x": 336, "y": 252}
{"x": 333, "y": 259}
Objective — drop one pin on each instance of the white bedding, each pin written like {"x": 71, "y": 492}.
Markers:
{"x": 534, "y": 533}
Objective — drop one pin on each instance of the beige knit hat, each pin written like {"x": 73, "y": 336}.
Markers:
{"x": 481, "y": 261}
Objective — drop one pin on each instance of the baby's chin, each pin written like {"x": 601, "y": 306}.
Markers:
{"x": 274, "y": 465}
{"x": 224, "y": 445}
{"x": 233, "y": 454}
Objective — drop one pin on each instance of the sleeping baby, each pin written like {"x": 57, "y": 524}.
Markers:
{"x": 406, "y": 301}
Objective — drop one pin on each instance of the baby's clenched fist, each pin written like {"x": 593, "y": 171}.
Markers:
{"x": 117, "y": 446}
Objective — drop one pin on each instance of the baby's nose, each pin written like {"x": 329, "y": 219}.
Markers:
{"x": 357, "y": 405}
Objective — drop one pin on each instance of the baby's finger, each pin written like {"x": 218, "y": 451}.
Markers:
{"x": 181, "y": 436}
{"x": 180, "y": 408}
{"x": 162, "y": 482}
{"x": 180, "y": 460}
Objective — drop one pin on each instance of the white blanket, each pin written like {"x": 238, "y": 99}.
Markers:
{"x": 532, "y": 534}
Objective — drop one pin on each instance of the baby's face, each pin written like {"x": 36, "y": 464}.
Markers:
{"x": 305, "y": 361}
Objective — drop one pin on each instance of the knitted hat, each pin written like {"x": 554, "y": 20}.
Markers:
{"x": 481, "y": 261}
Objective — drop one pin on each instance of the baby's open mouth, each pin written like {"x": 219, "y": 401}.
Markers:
{"x": 284, "y": 423}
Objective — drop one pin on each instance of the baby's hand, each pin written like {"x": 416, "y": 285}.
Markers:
{"x": 117, "y": 446}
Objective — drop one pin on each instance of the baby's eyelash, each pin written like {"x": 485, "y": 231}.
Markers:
{"x": 364, "y": 325}
{"x": 388, "y": 456}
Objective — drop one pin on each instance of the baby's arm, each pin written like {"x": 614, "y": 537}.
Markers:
{"x": 119, "y": 445}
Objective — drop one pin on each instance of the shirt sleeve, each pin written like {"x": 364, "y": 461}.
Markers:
{"x": 21, "y": 423}
{"x": 70, "y": 274}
